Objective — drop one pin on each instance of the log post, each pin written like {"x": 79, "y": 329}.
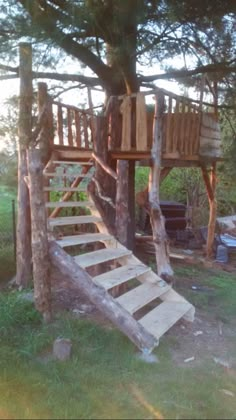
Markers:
{"x": 160, "y": 239}
{"x": 122, "y": 200}
{"x": 24, "y": 255}
{"x": 46, "y": 134}
{"x": 104, "y": 180}
{"x": 210, "y": 183}
{"x": 65, "y": 266}
{"x": 41, "y": 266}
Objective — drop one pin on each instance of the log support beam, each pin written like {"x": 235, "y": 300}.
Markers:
{"x": 160, "y": 238}
{"x": 24, "y": 255}
{"x": 40, "y": 251}
{"x": 210, "y": 183}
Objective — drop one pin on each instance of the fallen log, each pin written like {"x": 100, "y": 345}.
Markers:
{"x": 62, "y": 261}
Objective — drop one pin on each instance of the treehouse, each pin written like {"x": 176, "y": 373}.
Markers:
{"x": 96, "y": 155}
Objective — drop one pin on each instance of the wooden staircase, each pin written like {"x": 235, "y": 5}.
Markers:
{"x": 142, "y": 293}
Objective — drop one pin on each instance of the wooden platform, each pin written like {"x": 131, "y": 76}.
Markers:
{"x": 119, "y": 266}
{"x": 190, "y": 132}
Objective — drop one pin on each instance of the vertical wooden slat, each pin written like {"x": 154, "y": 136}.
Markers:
{"x": 188, "y": 125}
{"x": 69, "y": 127}
{"x": 85, "y": 124}
{"x": 141, "y": 123}
{"x": 60, "y": 125}
{"x": 182, "y": 133}
{"x": 77, "y": 129}
{"x": 126, "y": 123}
{"x": 169, "y": 132}
{"x": 176, "y": 126}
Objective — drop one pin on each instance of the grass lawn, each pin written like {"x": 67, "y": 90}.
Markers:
{"x": 104, "y": 378}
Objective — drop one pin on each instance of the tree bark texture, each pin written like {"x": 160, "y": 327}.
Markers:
{"x": 210, "y": 183}
{"x": 46, "y": 134}
{"x": 24, "y": 255}
{"x": 105, "y": 181}
{"x": 160, "y": 238}
{"x": 74, "y": 274}
{"x": 41, "y": 265}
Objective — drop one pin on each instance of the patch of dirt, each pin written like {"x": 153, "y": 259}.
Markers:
{"x": 204, "y": 339}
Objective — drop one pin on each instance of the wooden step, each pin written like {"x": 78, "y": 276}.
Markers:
{"x": 73, "y": 220}
{"x": 83, "y": 239}
{"x": 56, "y": 204}
{"x": 121, "y": 275}
{"x": 103, "y": 255}
{"x": 67, "y": 175}
{"x": 160, "y": 319}
{"x": 65, "y": 189}
{"x": 140, "y": 296}
{"x": 67, "y": 162}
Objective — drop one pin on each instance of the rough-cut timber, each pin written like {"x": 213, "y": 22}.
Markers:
{"x": 210, "y": 183}
{"x": 157, "y": 220}
{"x": 103, "y": 301}
{"x": 24, "y": 255}
{"x": 41, "y": 266}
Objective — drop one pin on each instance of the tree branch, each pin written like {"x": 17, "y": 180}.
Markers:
{"x": 179, "y": 74}
{"x": 42, "y": 18}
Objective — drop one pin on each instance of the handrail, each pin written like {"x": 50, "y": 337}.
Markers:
{"x": 104, "y": 166}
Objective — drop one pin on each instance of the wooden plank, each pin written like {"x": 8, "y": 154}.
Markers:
{"x": 126, "y": 123}
{"x": 188, "y": 149}
{"x": 103, "y": 255}
{"x": 65, "y": 153}
{"x": 66, "y": 175}
{"x": 211, "y": 143}
{"x": 121, "y": 275}
{"x": 69, "y": 127}
{"x": 176, "y": 127}
{"x": 140, "y": 296}
{"x": 85, "y": 125}
{"x": 59, "y": 189}
{"x": 60, "y": 125}
{"x": 69, "y": 162}
{"x": 73, "y": 220}
{"x": 141, "y": 122}
{"x": 182, "y": 129}
{"x": 160, "y": 319}
{"x": 83, "y": 239}
{"x": 56, "y": 204}
{"x": 77, "y": 129}
{"x": 210, "y": 133}
{"x": 169, "y": 131}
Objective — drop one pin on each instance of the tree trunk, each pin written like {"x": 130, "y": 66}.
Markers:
{"x": 41, "y": 265}
{"x": 74, "y": 274}
{"x": 160, "y": 239}
{"x": 24, "y": 255}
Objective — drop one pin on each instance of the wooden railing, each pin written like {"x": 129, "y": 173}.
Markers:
{"x": 72, "y": 126}
{"x": 189, "y": 131}
{"x": 183, "y": 121}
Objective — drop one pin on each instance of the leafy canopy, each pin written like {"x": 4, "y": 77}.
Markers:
{"x": 111, "y": 36}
